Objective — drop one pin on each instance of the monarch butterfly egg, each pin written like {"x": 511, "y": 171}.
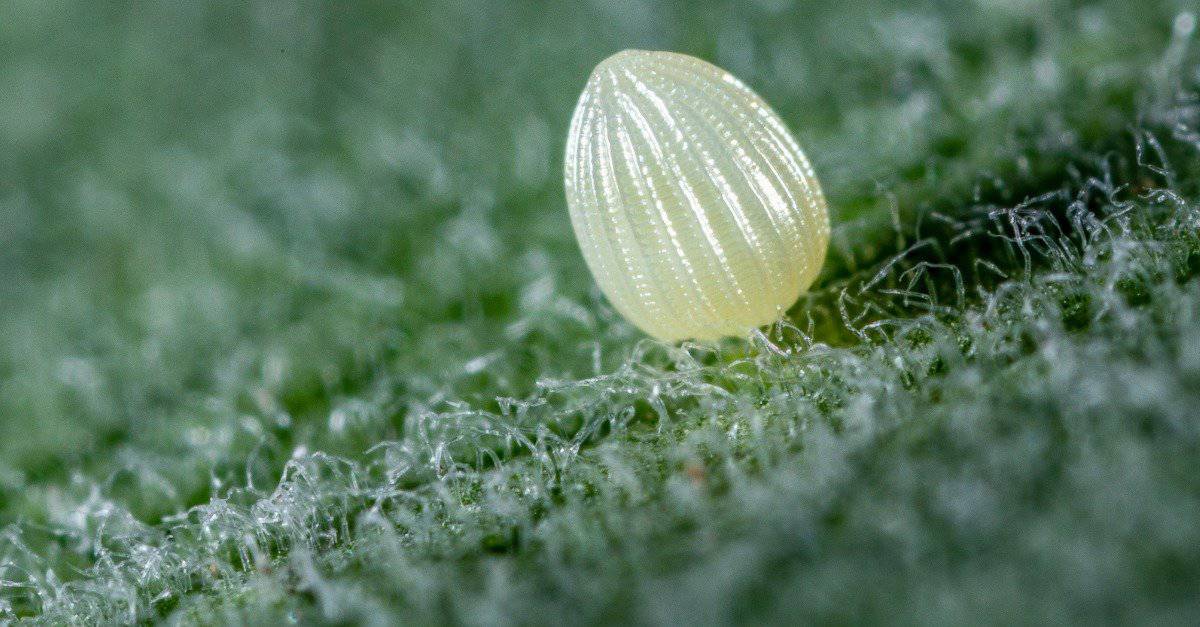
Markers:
{"x": 696, "y": 210}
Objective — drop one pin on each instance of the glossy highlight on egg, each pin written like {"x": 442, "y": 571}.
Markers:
{"x": 695, "y": 209}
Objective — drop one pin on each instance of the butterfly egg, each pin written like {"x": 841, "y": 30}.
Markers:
{"x": 696, "y": 210}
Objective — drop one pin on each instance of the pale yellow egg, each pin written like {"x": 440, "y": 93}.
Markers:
{"x": 696, "y": 210}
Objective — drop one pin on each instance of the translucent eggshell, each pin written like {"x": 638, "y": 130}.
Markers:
{"x": 696, "y": 210}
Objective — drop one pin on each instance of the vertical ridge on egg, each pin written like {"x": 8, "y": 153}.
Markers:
{"x": 694, "y": 207}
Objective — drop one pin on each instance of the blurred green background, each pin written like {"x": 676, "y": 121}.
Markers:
{"x": 234, "y": 235}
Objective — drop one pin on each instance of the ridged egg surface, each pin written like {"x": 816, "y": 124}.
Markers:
{"x": 696, "y": 210}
